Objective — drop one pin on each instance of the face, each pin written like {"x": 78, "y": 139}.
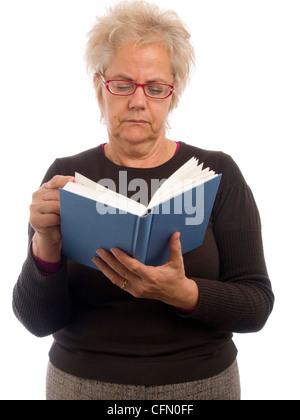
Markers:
{"x": 137, "y": 118}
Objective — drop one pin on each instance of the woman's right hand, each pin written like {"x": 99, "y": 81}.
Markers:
{"x": 45, "y": 219}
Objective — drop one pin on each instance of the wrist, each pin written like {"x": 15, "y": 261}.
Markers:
{"x": 189, "y": 296}
{"x": 45, "y": 250}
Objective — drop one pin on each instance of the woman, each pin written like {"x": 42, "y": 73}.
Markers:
{"x": 130, "y": 331}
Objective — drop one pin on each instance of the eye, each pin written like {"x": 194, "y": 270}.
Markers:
{"x": 155, "y": 90}
{"x": 121, "y": 87}
{"x": 124, "y": 87}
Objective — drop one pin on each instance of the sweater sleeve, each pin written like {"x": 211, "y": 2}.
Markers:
{"x": 242, "y": 299}
{"x": 42, "y": 303}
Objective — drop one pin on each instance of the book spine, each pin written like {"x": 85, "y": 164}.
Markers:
{"x": 142, "y": 237}
{"x": 135, "y": 236}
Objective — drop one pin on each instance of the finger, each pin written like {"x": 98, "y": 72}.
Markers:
{"x": 44, "y": 221}
{"x": 58, "y": 181}
{"x": 48, "y": 207}
{"x": 175, "y": 248}
{"x": 107, "y": 270}
{"x": 45, "y": 194}
{"x": 133, "y": 265}
{"x": 50, "y": 194}
{"x": 116, "y": 265}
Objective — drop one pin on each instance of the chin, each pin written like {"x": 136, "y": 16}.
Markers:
{"x": 137, "y": 136}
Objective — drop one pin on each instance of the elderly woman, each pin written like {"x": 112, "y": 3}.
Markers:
{"x": 129, "y": 331}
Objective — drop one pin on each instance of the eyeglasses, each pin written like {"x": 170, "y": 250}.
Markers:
{"x": 127, "y": 88}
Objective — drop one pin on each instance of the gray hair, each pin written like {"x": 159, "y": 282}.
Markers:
{"x": 142, "y": 23}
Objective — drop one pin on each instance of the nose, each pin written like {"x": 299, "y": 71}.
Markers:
{"x": 138, "y": 99}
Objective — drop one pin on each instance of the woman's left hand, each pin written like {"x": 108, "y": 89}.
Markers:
{"x": 167, "y": 283}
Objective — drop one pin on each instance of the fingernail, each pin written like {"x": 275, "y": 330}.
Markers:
{"x": 100, "y": 251}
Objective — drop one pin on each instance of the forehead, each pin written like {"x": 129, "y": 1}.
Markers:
{"x": 141, "y": 62}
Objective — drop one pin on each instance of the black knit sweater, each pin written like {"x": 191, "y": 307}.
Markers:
{"x": 103, "y": 333}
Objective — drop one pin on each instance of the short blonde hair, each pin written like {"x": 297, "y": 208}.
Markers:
{"x": 142, "y": 23}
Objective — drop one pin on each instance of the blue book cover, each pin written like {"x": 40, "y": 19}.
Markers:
{"x": 87, "y": 223}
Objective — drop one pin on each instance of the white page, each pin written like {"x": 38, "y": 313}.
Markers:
{"x": 184, "y": 179}
{"x": 187, "y": 177}
{"x": 100, "y": 194}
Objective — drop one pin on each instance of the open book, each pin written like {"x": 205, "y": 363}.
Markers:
{"x": 93, "y": 216}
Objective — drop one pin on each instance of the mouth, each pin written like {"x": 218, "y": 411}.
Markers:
{"x": 137, "y": 122}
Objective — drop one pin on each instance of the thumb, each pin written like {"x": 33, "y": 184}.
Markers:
{"x": 175, "y": 248}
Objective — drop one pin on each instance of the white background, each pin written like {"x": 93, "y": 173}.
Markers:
{"x": 244, "y": 99}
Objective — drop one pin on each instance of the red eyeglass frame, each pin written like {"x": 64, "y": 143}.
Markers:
{"x": 106, "y": 84}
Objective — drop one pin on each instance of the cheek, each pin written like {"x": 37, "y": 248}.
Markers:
{"x": 161, "y": 114}
{"x": 108, "y": 109}
{"x": 101, "y": 103}
{"x": 112, "y": 122}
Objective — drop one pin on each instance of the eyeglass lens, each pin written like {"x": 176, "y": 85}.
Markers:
{"x": 154, "y": 90}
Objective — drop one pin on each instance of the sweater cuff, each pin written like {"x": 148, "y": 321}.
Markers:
{"x": 186, "y": 310}
{"x": 46, "y": 268}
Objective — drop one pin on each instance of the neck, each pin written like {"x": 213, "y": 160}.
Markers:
{"x": 142, "y": 155}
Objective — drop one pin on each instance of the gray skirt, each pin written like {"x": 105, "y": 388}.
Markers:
{"x": 62, "y": 386}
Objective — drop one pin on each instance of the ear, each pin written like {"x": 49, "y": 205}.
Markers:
{"x": 96, "y": 79}
{"x": 98, "y": 89}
